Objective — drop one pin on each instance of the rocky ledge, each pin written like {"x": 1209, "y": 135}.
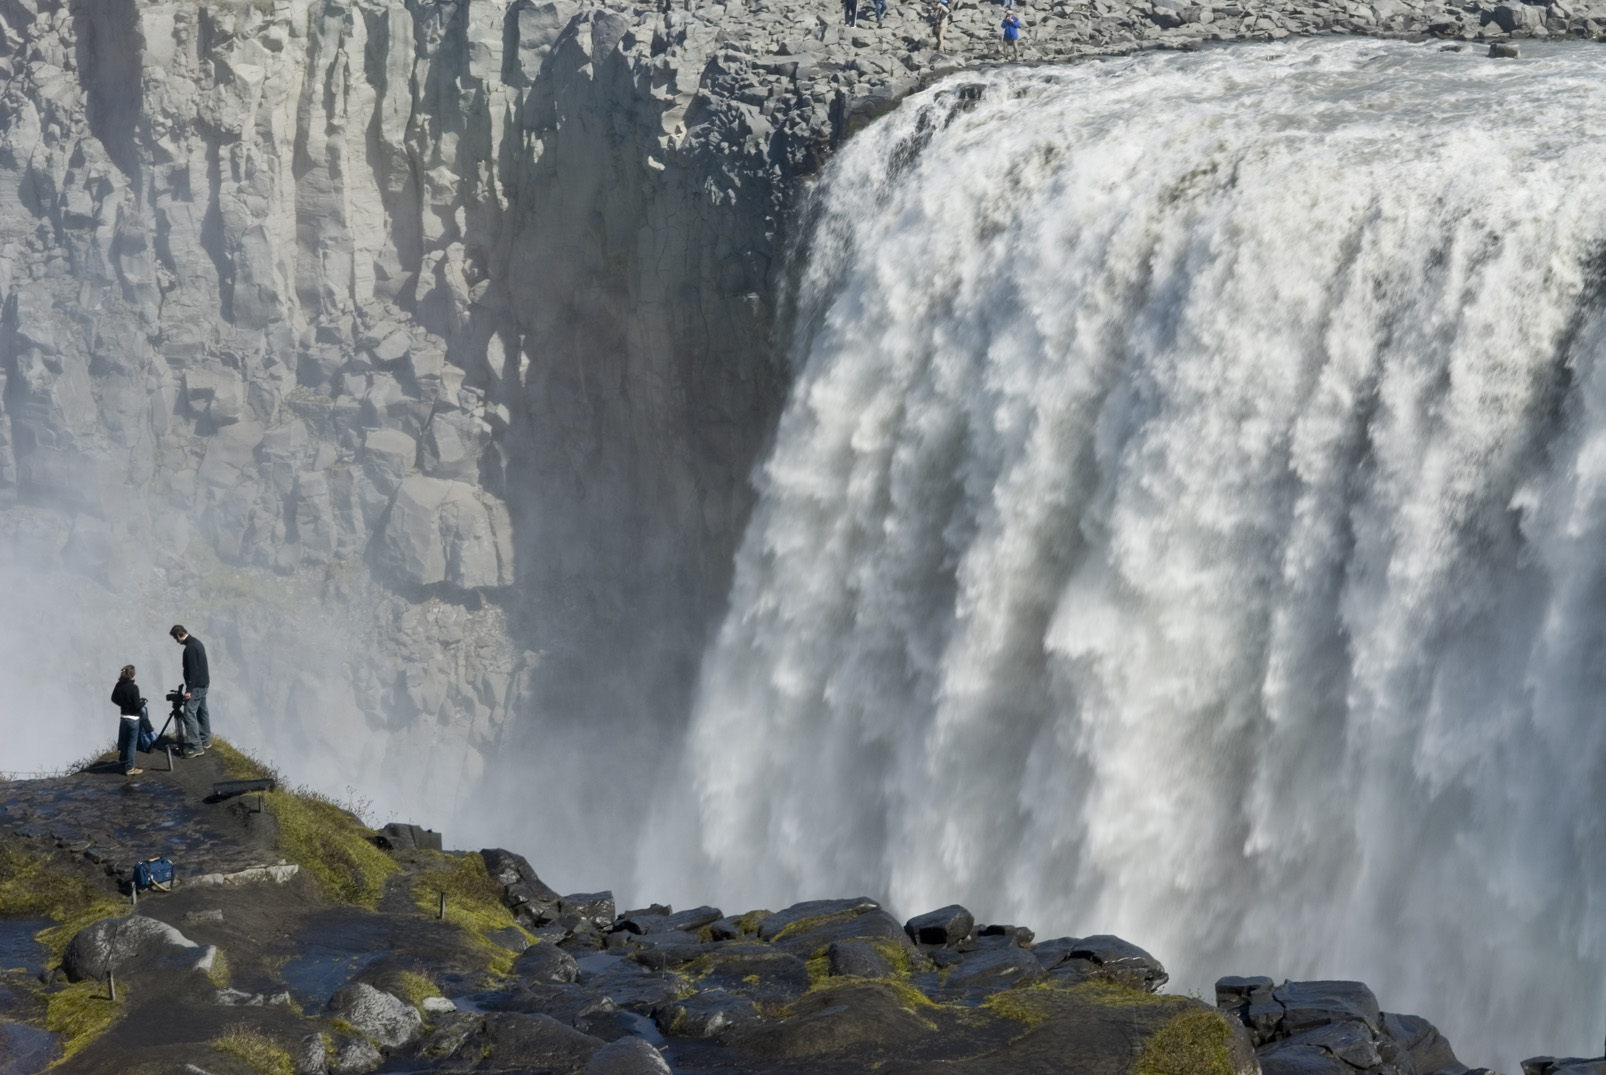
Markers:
{"x": 350, "y": 950}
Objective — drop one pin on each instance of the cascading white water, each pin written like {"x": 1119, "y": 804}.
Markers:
{"x": 1189, "y": 522}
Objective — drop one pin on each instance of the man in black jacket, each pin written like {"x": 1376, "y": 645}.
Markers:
{"x": 197, "y": 721}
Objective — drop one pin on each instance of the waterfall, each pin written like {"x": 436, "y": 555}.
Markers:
{"x": 1188, "y": 522}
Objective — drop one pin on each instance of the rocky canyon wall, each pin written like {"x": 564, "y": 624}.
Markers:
{"x": 416, "y": 355}
{"x": 411, "y": 353}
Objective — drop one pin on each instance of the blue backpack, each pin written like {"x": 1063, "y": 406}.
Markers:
{"x": 147, "y": 734}
{"x": 154, "y": 874}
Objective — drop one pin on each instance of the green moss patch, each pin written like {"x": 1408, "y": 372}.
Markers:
{"x": 255, "y": 1050}
{"x": 32, "y": 886}
{"x": 908, "y": 996}
{"x": 820, "y": 977}
{"x": 1039, "y": 1002}
{"x": 1031, "y": 1004}
{"x": 1115, "y": 995}
{"x": 79, "y": 1014}
{"x": 240, "y": 765}
{"x": 1196, "y": 1042}
{"x": 473, "y": 902}
{"x": 219, "y": 974}
{"x": 417, "y": 988}
{"x": 332, "y": 845}
{"x": 805, "y": 925}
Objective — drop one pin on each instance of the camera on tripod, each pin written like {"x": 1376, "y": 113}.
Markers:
{"x": 176, "y": 696}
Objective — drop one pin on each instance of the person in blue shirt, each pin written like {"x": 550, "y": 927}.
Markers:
{"x": 1011, "y": 26}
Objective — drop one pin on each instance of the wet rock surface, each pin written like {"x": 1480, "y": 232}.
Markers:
{"x": 115, "y": 822}
{"x": 535, "y": 981}
{"x": 1317, "y": 1028}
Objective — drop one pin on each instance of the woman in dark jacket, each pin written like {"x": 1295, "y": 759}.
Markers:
{"x": 129, "y": 704}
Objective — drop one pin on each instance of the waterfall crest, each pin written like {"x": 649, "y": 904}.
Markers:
{"x": 1188, "y": 522}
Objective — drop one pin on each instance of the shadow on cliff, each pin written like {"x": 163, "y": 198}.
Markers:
{"x": 634, "y": 317}
{"x": 109, "y": 47}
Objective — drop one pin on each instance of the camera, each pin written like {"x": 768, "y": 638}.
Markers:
{"x": 176, "y": 696}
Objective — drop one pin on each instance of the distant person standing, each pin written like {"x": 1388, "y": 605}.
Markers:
{"x": 880, "y": 11}
{"x": 130, "y": 706}
{"x": 197, "y": 678}
{"x": 850, "y": 12}
{"x": 1011, "y": 26}
{"x": 939, "y": 21}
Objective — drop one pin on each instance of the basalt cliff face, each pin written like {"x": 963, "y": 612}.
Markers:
{"x": 417, "y": 349}
{"x": 417, "y": 353}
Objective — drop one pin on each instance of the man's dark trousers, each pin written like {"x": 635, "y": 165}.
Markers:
{"x": 197, "y": 721}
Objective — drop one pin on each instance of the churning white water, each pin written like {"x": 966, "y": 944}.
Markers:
{"x": 1189, "y": 522}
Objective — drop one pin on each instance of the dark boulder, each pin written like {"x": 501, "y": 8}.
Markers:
{"x": 132, "y": 942}
{"x": 1074, "y": 972}
{"x": 659, "y": 957}
{"x": 946, "y": 926}
{"x": 809, "y": 936}
{"x": 867, "y": 1016}
{"x": 582, "y": 943}
{"x": 562, "y": 1001}
{"x": 1307, "y": 1005}
{"x": 311, "y": 1056}
{"x": 597, "y": 908}
{"x": 400, "y": 837}
{"x": 1250, "y": 1001}
{"x": 506, "y": 869}
{"x": 448, "y": 1035}
{"x": 704, "y": 1015}
{"x": 666, "y": 938}
{"x": 640, "y": 923}
{"x": 857, "y": 959}
{"x": 1122, "y": 961}
{"x": 1351, "y": 1043}
{"x": 627, "y": 1056}
{"x": 546, "y": 963}
{"x": 515, "y": 1042}
{"x": 995, "y": 935}
{"x": 986, "y": 972}
{"x": 1302, "y": 1059}
{"x": 532, "y": 902}
{"x": 1168, "y": 14}
{"x": 1052, "y": 953}
{"x": 755, "y": 970}
{"x": 1421, "y": 1041}
{"x": 806, "y": 915}
{"x": 356, "y": 1056}
{"x": 694, "y": 920}
{"x": 728, "y": 929}
{"x": 1563, "y": 1065}
{"x": 383, "y": 1018}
